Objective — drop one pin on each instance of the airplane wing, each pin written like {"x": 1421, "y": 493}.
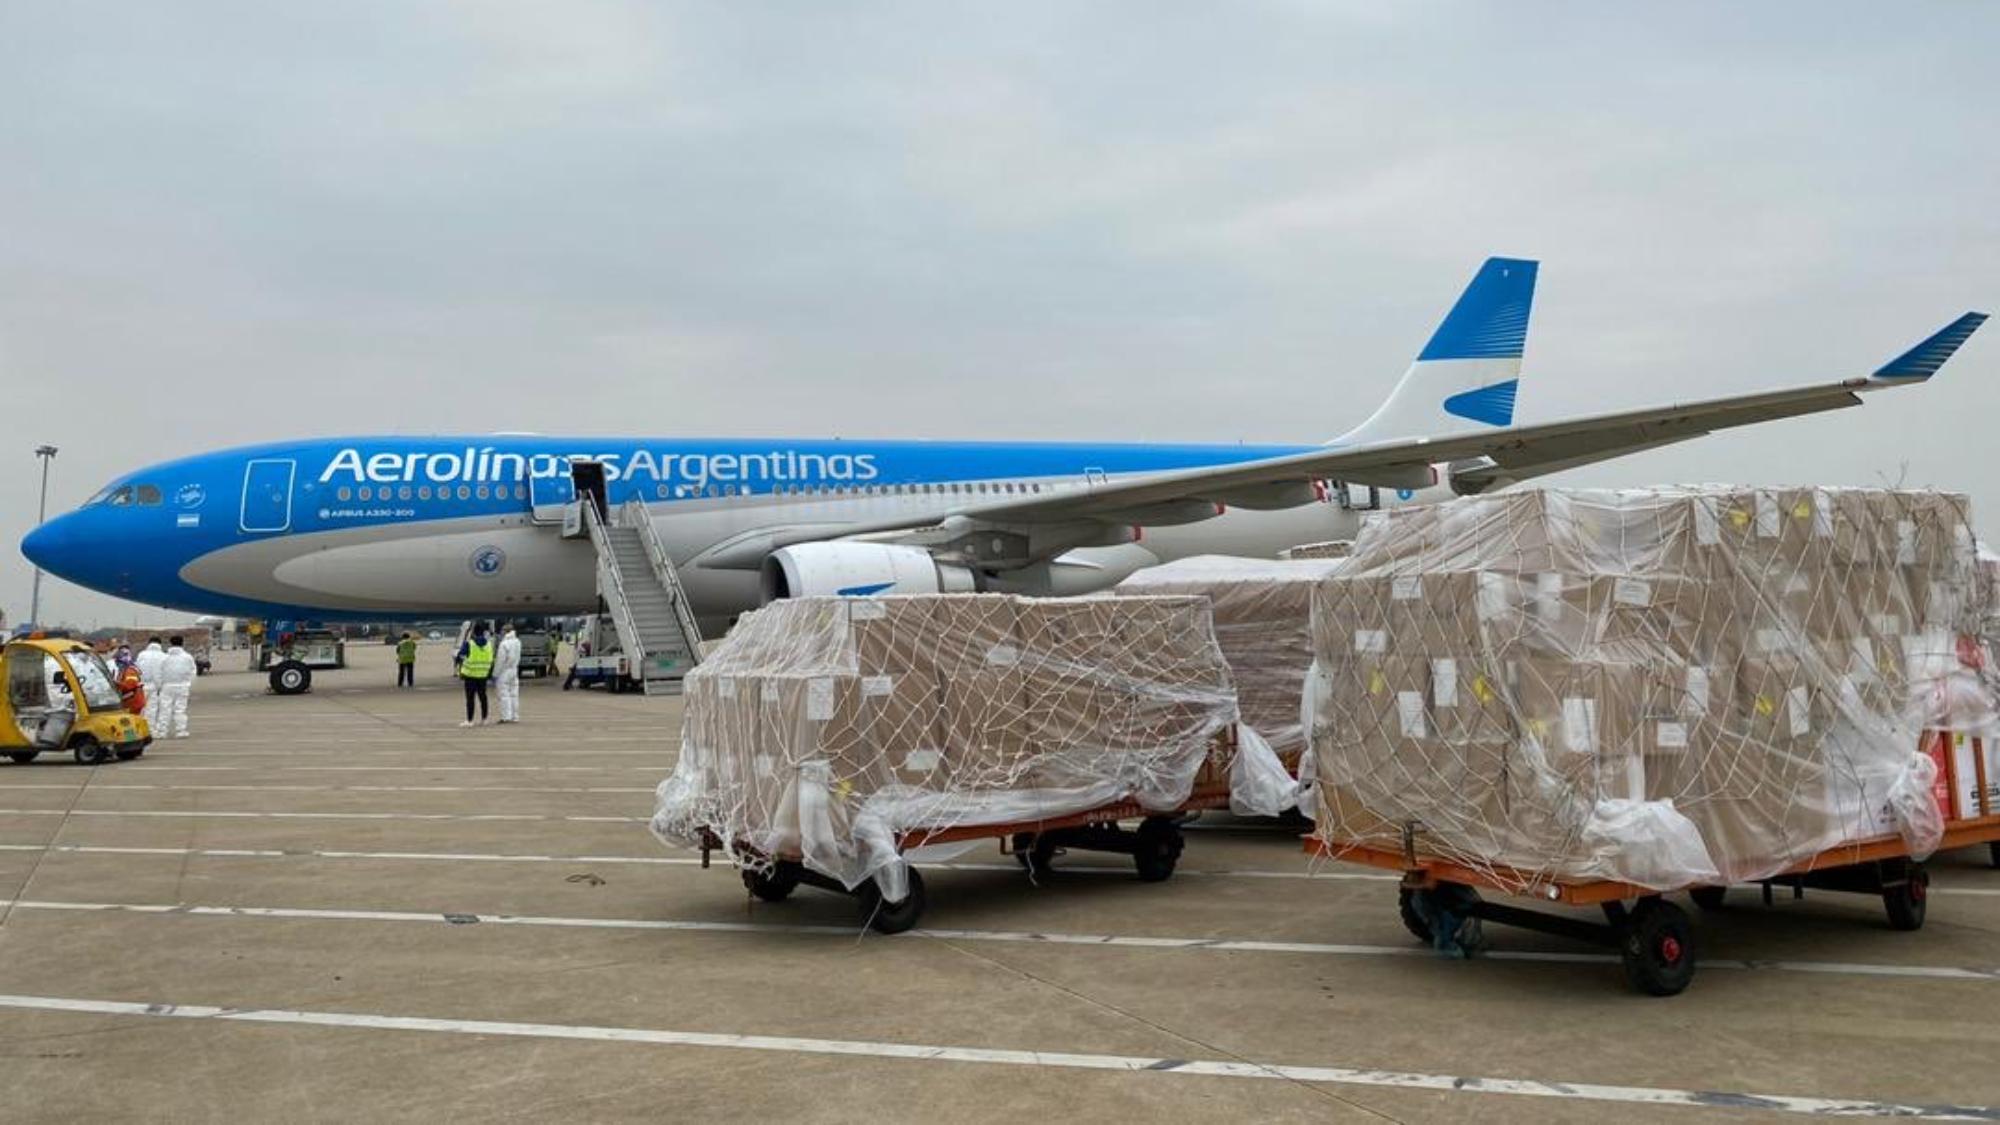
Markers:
{"x": 1474, "y": 461}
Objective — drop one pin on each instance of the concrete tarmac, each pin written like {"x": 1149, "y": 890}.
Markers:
{"x": 343, "y": 906}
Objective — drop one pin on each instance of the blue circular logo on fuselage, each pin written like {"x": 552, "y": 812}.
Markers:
{"x": 487, "y": 562}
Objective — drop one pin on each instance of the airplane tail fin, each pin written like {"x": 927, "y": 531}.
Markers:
{"x": 1465, "y": 379}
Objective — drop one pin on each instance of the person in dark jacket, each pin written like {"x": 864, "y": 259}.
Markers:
{"x": 475, "y": 670}
{"x": 406, "y": 661}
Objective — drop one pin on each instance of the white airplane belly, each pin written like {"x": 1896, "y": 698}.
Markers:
{"x": 447, "y": 566}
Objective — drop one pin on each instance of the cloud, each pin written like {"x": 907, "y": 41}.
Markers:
{"x": 234, "y": 222}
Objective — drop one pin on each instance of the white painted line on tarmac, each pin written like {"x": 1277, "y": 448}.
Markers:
{"x": 1121, "y": 870}
{"x": 429, "y": 746}
{"x": 453, "y": 735}
{"x": 1016, "y": 937}
{"x": 1055, "y": 1060}
{"x": 100, "y": 787}
{"x": 315, "y": 853}
{"x": 244, "y": 815}
{"x": 151, "y": 766}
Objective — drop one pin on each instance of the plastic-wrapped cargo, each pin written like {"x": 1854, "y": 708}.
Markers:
{"x": 1330, "y": 549}
{"x": 823, "y": 728}
{"x": 1662, "y": 687}
{"x": 1262, "y": 608}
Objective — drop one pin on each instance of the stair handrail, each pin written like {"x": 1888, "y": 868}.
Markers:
{"x": 609, "y": 579}
{"x": 637, "y": 515}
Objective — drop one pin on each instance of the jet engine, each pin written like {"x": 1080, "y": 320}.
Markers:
{"x": 858, "y": 570}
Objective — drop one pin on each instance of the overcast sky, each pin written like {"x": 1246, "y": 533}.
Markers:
{"x": 237, "y": 222}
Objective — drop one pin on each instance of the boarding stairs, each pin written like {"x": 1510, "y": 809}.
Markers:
{"x": 642, "y": 594}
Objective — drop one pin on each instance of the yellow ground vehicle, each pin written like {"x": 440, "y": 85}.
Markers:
{"x": 60, "y": 696}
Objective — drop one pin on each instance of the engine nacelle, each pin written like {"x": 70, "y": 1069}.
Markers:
{"x": 858, "y": 570}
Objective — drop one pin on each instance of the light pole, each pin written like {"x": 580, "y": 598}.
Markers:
{"x": 47, "y": 453}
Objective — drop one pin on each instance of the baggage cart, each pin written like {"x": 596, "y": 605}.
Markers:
{"x": 1654, "y": 938}
{"x": 1155, "y": 846}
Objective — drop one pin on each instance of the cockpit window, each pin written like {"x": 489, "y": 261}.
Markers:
{"x": 127, "y": 495}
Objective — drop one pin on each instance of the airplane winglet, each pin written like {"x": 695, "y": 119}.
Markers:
{"x": 1923, "y": 361}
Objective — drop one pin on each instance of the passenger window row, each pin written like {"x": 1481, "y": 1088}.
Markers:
{"x": 147, "y": 494}
{"x": 405, "y": 492}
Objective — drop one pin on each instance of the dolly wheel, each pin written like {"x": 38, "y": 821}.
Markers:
{"x": 128, "y": 755}
{"x": 1157, "y": 849}
{"x": 1905, "y": 901}
{"x": 892, "y": 917}
{"x": 1413, "y": 919}
{"x": 1658, "y": 950}
{"x": 91, "y": 752}
{"x": 23, "y": 757}
{"x": 775, "y": 885}
{"x": 291, "y": 678}
{"x": 1036, "y": 854}
{"x": 1708, "y": 898}
{"x": 1993, "y": 852}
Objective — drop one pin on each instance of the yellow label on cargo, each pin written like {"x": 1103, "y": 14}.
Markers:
{"x": 1375, "y": 682}
{"x": 1482, "y": 690}
{"x": 844, "y": 789}
{"x": 1802, "y": 510}
{"x": 1538, "y": 727}
{"x": 1764, "y": 705}
{"x": 1740, "y": 517}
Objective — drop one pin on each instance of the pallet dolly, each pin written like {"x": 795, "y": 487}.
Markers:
{"x": 1653, "y": 937}
{"x": 1155, "y": 846}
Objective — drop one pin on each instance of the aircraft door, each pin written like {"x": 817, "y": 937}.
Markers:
{"x": 547, "y": 496}
{"x": 588, "y": 480}
{"x": 267, "y": 495}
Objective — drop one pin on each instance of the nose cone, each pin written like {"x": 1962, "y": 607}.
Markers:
{"x": 49, "y": 544}
{"x": 73, "y": 547}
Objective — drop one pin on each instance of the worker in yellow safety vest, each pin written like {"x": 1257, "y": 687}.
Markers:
{"x": 475, "y": 669}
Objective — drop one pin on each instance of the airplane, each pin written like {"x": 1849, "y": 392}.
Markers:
{"x": 375, "y": 528}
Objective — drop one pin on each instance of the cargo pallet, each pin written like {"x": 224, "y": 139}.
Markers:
{"x": 1155, "y": 847}
{"x": 1655, "y": 938}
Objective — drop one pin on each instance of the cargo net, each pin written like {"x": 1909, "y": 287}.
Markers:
{"x": 828, "y": 730}
{"x": 1261, "y": 610}
{"x": 1663, "y": 687}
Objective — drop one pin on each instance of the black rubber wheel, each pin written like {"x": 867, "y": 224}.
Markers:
{"x": 892, "y": 917}
{"x": 1993, "y": 852}
{"x": 1158, "y": 849}
{"x": 775, "y": 885}
{"x": 1906, "y": 901}
{"x": 1708, "y": 898}
{"x": 1658, "y": 949}
{"x": 90, "y": 752}
{"x": 128, "y": 755}
{"x": 23, "y": 757}
{"x": 1035, "y": 854}
{"x": 1413, "y": 921}
{"x": 291, "y": 678}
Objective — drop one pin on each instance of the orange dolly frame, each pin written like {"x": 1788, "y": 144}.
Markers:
{"x": 1655, "y": 938}
{"x": 1155, "y": 847}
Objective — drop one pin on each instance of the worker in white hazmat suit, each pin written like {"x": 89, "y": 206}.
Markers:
{"x": 177, "y": 673}
{"x": 149, "y": 661}
{"x": 507, "y": 673}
